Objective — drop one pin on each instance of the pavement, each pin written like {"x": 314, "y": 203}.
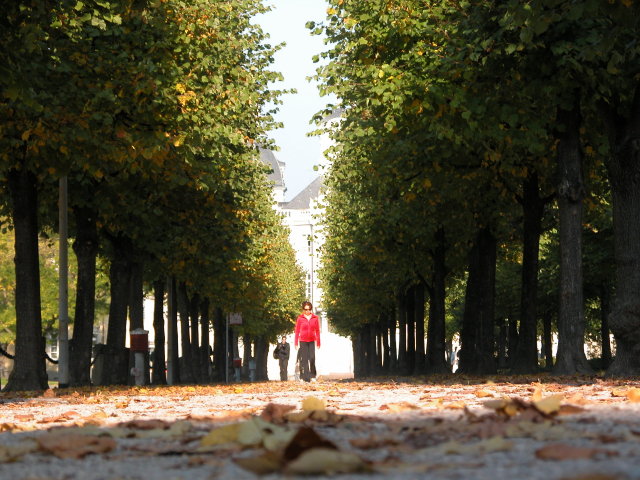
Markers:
{"x": 446, "y": 428}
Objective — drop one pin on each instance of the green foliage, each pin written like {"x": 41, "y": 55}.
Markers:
{"x": 153, "y": 110}
{"x": 446, "y": 107}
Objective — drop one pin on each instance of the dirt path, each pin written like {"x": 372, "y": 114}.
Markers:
{"x": 578, "y": 429}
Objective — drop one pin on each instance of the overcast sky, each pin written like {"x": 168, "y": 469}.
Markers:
{"x": 286, "y": 23}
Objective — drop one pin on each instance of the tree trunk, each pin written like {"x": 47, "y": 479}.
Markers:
{"x": 486, "y": 335}
{"x": 85, "y": 247}
{"x": 136, "y": 314}
{"x": 380, "y": 351}
{"x": 547, "y": 340}
{"x": 605, "y": 310}
{"x": 219, "y": 327}
{"x": 196, "y": 357}
{"x": 470, "y": 317}
{"x": 246, "y": 355}
{"x": 624, "y": 174}
{"x": 261, "y": 357}
{"x": 29, "y": 370}
{"x": 159, "y": 376}
{"x": 420, "y": 354}
{"x": 401, "y": 313}
{"x": 205, "y": 346}
{"x": 186, "y": 363}
{"x": 436, "y": 331}
{"x": 365, "y": 350}
{"x": 136, "y": 296}
{"x": 409, "y": 299}
{"x": 502, "y": 343}
{"x": 386, "y": 350}
{"x": 526, "y": 355}
{"x": 477, "y": 336}
{"x": 116, "y": 371}
{"x": 173, "y": 377}
{"x": 512, "y": 339}
{"x": 571, "y": 358}
{"x": 393, "y": 347}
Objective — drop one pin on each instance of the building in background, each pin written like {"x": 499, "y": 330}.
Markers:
{"x": 303, "y": 215}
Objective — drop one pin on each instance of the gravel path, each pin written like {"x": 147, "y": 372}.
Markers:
{"x": 574, "y": 430}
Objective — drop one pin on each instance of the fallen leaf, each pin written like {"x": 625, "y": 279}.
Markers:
{"x": 549, "y": 405}
{"x": 570, "y": 410}
{"x": 484, "y": 393}
{"x": 559, "y": 451}
{"x": 75, "y": 446}
{"x": 373, "y": 442}
{"x": 264, "y": 464}
{"x": 298, "y": 417}
{"x": 274, "y": 412}
{"x": 537, "y": 393}
{"x": 619, "y": 392}
{"x": 313, "y": 403}
{"x": 305, "y": 439}
{"x": 146, "y": 424}
{"x": 319, "y": 461}
{"x": 633, "y": 394}
{"x": 399, "y": 407}
{"x": 221, "y": 435}
{"x": 11, "y": 453}
{"x": 23, "y": 418}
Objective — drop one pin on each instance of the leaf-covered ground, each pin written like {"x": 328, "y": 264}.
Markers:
{"x": 445, "y": 427}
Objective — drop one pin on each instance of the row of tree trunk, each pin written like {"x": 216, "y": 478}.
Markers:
{"x": 394, "y": 344}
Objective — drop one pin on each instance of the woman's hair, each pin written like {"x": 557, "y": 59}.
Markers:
{"x": 305, "y": 303}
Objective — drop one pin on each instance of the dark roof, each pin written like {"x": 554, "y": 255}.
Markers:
{"x": 269, "y": 159}
{"x": 302, "y": 200}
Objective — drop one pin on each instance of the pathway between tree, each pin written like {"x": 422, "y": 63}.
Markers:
{"x": 533, "y": 428}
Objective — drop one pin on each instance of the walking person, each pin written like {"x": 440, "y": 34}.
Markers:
{"x": 306, "y": 337}
{"x": 282, "y": 354}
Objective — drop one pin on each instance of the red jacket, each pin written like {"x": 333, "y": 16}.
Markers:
{"x": 307, "y": 330}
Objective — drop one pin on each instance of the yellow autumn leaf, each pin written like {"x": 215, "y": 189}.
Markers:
{"x": 25, "y": 135}
{"x": 64, "y": 150}
{"x": 537, "y": 394}
{"x": 484, "y": 393}
{"x": 318, "y": 461}
{"x": 619, "y": 392}
{"x": 633, "y": 394}
{"x": 549, "y": 404}
{"x": 298, "y": 417}
{"x": 221, "y": 435}
{"x": 250, "y": 432}
{"x": 313, "y": 403}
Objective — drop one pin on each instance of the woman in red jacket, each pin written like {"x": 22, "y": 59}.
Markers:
{"x": 307, "y": 332}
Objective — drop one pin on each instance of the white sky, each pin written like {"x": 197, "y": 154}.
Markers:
{"x": 286, "y": 23}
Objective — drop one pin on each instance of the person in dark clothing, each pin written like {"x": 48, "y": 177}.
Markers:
{"x": 282, "y": 354}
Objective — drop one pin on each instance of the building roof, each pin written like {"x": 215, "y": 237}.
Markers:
{"x": 277, "y": 167}
{"x": 337, "y": 113}
{"x": 302, "y": 200}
